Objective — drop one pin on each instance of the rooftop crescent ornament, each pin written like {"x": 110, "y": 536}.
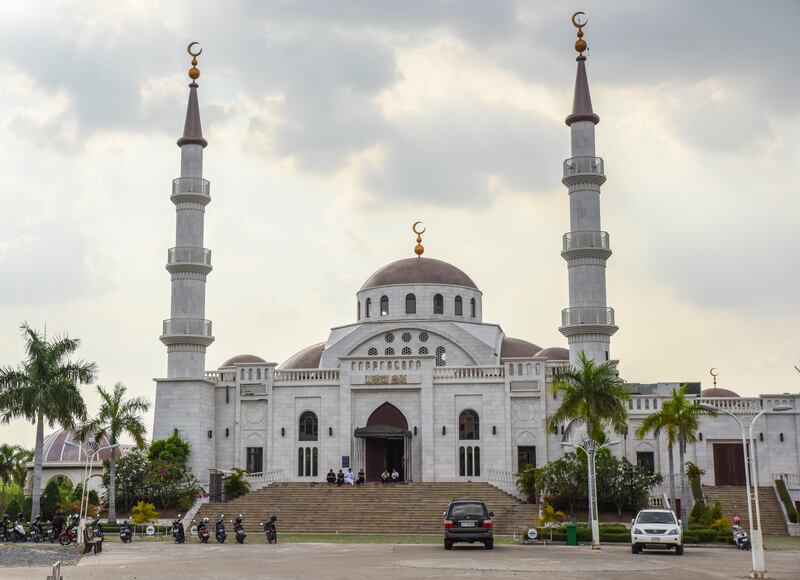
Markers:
{"x": 579, "y": 23}
{"x": 194, "y": 72}
{"x": 418, "y": 249}
{"x": 714, "y": 373}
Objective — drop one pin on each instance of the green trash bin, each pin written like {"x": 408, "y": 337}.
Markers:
{"x": 572, "y": 534}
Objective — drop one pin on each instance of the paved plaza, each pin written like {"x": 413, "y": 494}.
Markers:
{"x": 392, "y": 561}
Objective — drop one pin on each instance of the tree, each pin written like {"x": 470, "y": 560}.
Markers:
{"x": 22, "y": 457}
{"x": 525, "y": 478}
{"x": 593, "y": 396}
{"x": 626, "y": 484}
{"x": 117, "y": 416}
{"x": 663, "y": 421}
{"x": 563, "y": 480}
{"x": 236, "y": 484}
{"x": 687, "y": 415}
{"x": 44, "y": 389}
{"x": 8, "y": 455}
{"x": 549, "y": 517}
{"x": 144, "y": 513}
{"x": 131, "y": 472}
{"x": 173, "y": 449}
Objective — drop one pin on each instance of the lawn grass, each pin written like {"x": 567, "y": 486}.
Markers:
{"x": 323, "y": 539}
{"x": 781, "y": 542}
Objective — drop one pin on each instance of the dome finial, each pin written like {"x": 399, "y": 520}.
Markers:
{"x": 714, "y": 373}
{"x": 579, "y": 23}
{"x": 194, "y": 72}
{"x": 418, "y": 249}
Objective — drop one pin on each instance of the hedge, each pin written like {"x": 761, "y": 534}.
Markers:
{"x": 791, "y": 511}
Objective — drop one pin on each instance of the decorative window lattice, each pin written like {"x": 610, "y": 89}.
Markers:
{"x": 423, "y": 350}
{"x": 372, "y": 351}
{"x": 389, "y": 351}
{"x": 406, "y": 350}
{"x": 441, "y": 356}
{"x": 423, "y": 336}
{"x": 406, "y": 337}
{"x": 389, "y": 337}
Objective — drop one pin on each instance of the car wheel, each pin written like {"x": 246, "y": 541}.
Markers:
{"x": 635, "y": 549}
{"x": 679, "y": 550}
{"x": 489, "y": 544}
{"x": 448, "y": 544}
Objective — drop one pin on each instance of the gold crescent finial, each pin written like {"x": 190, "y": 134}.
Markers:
{"x": 714, "y": 373}
{"x": 418, "y": 249}
{"x": 580, "y": 44}
{"x": 194, "y": 72}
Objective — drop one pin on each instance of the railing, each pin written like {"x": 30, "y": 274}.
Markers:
{"x": 501, "y": 476}
{"x": 264, "y": 478}
{"x": 307, "y": 375}
{"x": 250, "y": 390}
{"x": 189, "y": 255}
{"x": 581, "y": 240}
{"x": 193, "y": 185}
{"x": 461, "y": 373}
{"x": 187, "y": 326}
{"x": 587, "y": 315}
{"x": 213, "y": 376}
{"x": 792, "y": 480}
{"x": 579, "y": 165}
{"x": 735, "y": 405}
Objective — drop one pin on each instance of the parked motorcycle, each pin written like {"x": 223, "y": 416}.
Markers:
{"x": 97, "y": 530}
{"x": 125, "y": 532}
{"x": 219, "y": 532}
{"x": 18, "y": 531}
{"x": 238, "y": 527}
{"x": 202, "y": 530}
{"x": 178, "y": 534}
{"x": 5, "y": 529}
{"x": 270, "y": 530}
{"x": 37, "y": 533}
{"x": 70, "y": 535}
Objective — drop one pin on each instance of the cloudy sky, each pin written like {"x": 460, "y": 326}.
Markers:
{"x": 332, "y": 126}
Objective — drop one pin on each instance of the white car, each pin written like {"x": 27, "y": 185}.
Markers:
{"x": 654, "y": 527}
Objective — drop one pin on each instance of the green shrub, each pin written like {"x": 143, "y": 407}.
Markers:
{"x": 51, "y": 499}
{"x": 722, "y": 525}
{"x": 13, "y": 509}
{"x": 724, "y": 539}
{"x": 716, "y": 513}
{"x": 706, "y": 536}
{"x": 143, "y": 513}
{"x": 615, "y": 537}
{"x": 236, "y": 484}
{"x": 791, "y": 511}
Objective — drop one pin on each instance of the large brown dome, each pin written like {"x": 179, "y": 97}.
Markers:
{"x": 419, "y": 271}
{"x": 718, "y": 392}
{"x": 242, "y": 359}
{"x": 517, "y": 348}
{"x": 308, "y": 358}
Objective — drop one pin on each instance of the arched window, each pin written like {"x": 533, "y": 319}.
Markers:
{"x": 242, "y": 374}
{"x": 367, "y": 306}
{"x": 468, "y": 426}
{"x": 459, "y": 307}
{"x": 309, "y": 427}
{"x": 258, "y": 374}
{"x": 438, "y": 304}
{"x": 411, "y": 304}
{"x": 249, "y": 374}
{"x": 472, "y": 307}
{"x": 384, "y": 306}
{"x": 469, "y": 461}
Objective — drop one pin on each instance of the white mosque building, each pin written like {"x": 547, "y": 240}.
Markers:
{"x": 418, "y": 380}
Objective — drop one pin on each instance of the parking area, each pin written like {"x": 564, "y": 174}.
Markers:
{"x": 393, "y": 561}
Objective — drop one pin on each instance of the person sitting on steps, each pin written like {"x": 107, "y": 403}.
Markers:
{"x": 395, "y": 476}
{"x": 362, "y": 478}
{"x": 331, "y": 477}
{"x": 385, "y": 476}
{"x": 348, "y": 477}
{"x": 340, "y": 478}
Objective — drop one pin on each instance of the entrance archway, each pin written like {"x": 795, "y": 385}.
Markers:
{"x": 387, "y": 443}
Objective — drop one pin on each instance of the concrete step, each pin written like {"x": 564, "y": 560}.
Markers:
{"x": 733, "y": 500}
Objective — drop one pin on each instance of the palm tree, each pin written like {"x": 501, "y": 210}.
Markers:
{"x": 593, "y": 396}
{"x": 687, "y": 415}
{"x": 44, "y": 389}
{"x": 7, "y": 463}
{"x": 663, "y": 421}
{"x": 117, "y": 416}
{"x": 19, "y": 473}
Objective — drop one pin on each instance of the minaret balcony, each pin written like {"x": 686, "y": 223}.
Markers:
{"x": 191, "y": 189}
{"x": 189, "y": 259}
{"x": 586, "y": 244}
{"x": 187, "y": 331}
{"x": 583, "y": 170}
{"x": 588, "y": 320}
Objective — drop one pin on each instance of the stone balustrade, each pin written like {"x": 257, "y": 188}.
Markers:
{"x": 483, "y": 373}
{"x": 307, "y": 376}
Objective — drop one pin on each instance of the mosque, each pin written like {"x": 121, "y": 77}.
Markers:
{"x": 417, "y": 380}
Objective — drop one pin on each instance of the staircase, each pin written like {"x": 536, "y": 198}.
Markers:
{"x": 372, "y": 508}
{"x": 734, "y": 503}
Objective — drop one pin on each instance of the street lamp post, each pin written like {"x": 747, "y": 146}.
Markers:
{"x": 751, "y": 467}
{"x": 87, "y": 474}
{"x": 590, "y": 448}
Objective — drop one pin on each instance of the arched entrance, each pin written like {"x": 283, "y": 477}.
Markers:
{"x": 387, "y": 443}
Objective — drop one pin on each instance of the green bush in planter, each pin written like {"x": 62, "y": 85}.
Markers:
{"x": 690, "y": 537}
{"x": 707, "y": 536}
{"x": 615, "y": 537}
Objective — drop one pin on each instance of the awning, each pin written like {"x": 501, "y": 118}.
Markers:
{"x": 382, "y": 431}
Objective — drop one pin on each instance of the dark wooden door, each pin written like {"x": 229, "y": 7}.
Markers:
{"x": 729, "y": 464}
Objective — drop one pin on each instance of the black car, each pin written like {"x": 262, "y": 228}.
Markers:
{"x": 468, "y": 521}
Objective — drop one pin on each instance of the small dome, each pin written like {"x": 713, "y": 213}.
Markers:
{"x": 717, "y": 393}
{"x": 554, "y": 353}
{"x": 419, "y": 271}
{"x": 517, "y": 348}
{"x": 241, "y": 359}
{"x": 62, "y": 447}
{"x": 308, "y": 358}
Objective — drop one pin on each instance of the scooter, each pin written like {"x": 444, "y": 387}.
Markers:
{"x": 71, "y": 533}
{"x": 97, "y": 530}
{"x": 5, "y": 532}
{"x": 239, "y": 529}
{"x": 178, "y": 534}
{"x": 220, "y": 529}
{"x": 125, "y": 532}
{"x": 270, "y": 531}
{"x": 18, "y": 531}
{"x": 202, "y": 530}
{"x": 37, "y": 534}
{"x": 740, "y": 537}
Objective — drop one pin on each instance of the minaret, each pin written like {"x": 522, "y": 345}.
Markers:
{"x": 185, "y": 399}
{"x": 588, "y": 323}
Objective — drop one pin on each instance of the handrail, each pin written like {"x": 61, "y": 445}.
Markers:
{"x": 187, "y": 326}
{"x": 193, "y": 185}
{"x": 189, "y": 255}
{"x": 792, "y": 480}
{"x": 467, "y": 372}
{"x": 587, "y": 315}
{"x": 579, "y": 165}
{"x": 305, "y": 375}
{"x": 586, "y": 239}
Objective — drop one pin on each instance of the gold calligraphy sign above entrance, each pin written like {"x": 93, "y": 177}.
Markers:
{"x": 385, "y": 379}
